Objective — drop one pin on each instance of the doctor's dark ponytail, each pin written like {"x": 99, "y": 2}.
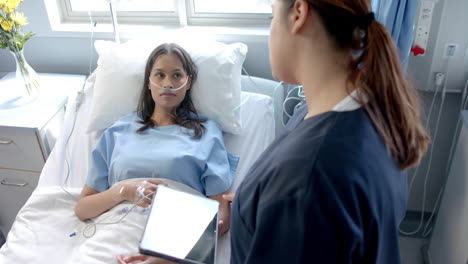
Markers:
{"x": 394, "y": 106}
{"x": 375, "y": 70}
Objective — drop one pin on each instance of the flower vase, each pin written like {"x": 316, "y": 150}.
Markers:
{"x": 26, "y": 77}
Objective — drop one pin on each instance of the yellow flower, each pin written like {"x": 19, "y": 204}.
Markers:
{"x": 7, "y": 25}
{"x": 18, "y": 18}
{"x": 10, "y": 5}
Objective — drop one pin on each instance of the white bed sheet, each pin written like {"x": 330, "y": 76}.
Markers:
{"x": 42, "y": 229}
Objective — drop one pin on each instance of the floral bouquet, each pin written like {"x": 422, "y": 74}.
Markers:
{"x": 11, "y": 35}
{"x": 13, "y": 39}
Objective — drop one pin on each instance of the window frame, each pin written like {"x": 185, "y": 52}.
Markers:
{"x": 68, "y": 16}
{"x": 225, "y": 19}
{"x": 184, "y": 15}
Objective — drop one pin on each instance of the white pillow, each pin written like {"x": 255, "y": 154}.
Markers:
{"x": 120, "y": 73}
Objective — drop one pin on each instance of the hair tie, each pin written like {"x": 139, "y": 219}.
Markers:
{"x": 364, "y": 21}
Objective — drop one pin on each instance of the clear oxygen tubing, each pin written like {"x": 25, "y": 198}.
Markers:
{"x": 66, "y": 153}
{"x": 428, "y": 119}
{"x": 252, "y": 80}
{"x": 215, "y": 117}
{"x": 250, "y": 77}
{"x": 91, "y": 39}
{"x": 170, "y": 89}
{"x": 300, "y": 93}
{"x": 275, "y": 89}
{"x": 115, "y": 25}
{"x": 431, "y": 108}
{"x": 463, "y": 104}
{"x": 90, "y": 229}
{"x": 78, "y": 100}
{"x": 234, "y": 109}
{"x": 300, "y": 97}
{"x": 431, "y": 151}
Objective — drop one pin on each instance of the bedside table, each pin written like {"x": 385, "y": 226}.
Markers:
{"x": 27, "y": 135}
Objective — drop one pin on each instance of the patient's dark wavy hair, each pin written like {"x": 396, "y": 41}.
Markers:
{"x": 183, "y": 115}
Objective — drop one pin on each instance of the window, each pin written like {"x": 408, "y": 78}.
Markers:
{"x": 169, "y": 12}
{"x": 229, "y": 12}
{"x": 130, "y": 5}
{"x": 128, "y": 11}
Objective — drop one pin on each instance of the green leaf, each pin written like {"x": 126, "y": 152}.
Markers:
{"x": 27, "y": 37}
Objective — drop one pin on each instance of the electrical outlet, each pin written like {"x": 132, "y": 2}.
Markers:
{"x": 450, "y": 50}
{"x": 424, "y": 25}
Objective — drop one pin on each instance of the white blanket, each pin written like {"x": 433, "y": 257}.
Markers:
{"x": 48, "y": 218}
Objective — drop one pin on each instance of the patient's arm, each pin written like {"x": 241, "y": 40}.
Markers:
{"x": 224, "y": 213}
{"x": 93, "y": 203}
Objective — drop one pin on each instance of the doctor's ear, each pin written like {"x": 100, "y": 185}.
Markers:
{"x": 299, "y": 15}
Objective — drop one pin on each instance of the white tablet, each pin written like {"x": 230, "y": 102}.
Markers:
{"x": 181, "y": 227}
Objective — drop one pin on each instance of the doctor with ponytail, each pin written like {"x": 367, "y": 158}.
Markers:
{"x": 332, "y": 188}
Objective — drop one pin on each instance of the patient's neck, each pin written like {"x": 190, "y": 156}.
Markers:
{"x": 163, "y": 117}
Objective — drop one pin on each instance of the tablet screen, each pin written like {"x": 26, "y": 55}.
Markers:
{"x": 181, "y": 227}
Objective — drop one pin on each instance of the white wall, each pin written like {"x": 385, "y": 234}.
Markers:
{"x": 449, "y": 242}
{"x": 448, "y": 26}
{"x": 60, "y": 52}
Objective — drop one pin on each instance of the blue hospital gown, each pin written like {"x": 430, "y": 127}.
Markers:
{"x": 161, "y": 152}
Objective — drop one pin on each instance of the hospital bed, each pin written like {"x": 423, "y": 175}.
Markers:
{"x": 46, "y": 229}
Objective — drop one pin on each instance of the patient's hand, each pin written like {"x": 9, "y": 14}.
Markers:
{"x": 139, "y": 191}
{"x": 141, "y": 259}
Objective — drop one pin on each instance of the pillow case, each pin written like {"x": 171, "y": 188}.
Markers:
{"x": 120, "y": 73}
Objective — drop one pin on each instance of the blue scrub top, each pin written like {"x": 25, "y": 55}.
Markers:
{"x": 162, "y": 152}
{"x": 325, "y": 191}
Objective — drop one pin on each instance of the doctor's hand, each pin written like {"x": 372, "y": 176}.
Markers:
{"x": 229, "y": 197}
{"x": 141, "y": 259}
{"x": 225, "y": 213}
{"x": 138, "y": 191}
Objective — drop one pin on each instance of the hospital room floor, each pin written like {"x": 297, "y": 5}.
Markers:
{"x": 410, "y": 250}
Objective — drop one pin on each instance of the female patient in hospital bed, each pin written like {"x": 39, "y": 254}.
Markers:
{"x": 164, "y": 139}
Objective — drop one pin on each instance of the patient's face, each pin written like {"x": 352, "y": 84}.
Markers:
{"x": 167, "y": 74}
